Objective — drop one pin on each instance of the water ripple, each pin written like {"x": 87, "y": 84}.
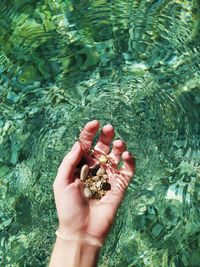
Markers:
{"x": 134, "y": 64}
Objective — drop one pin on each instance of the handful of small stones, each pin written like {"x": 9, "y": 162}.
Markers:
{"x": 95, "y": 179}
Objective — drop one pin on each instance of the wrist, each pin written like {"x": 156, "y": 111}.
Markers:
{"x": 76, "y": 245}
{"x": 73, "y": 254}
{"x": 80, "y": 236}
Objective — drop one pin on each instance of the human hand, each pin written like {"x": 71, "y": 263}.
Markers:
{"x": 77, "y": 213}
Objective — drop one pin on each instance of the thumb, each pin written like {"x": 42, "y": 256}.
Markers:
{"x": 67, "y": 167}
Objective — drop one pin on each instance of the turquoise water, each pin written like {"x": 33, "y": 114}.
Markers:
{"x": 134, "y": 64}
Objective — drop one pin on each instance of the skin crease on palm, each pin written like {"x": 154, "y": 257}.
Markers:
{"x": 76, "y": 213}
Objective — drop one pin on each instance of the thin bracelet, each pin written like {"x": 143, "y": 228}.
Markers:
{"x": 85, "y": 238}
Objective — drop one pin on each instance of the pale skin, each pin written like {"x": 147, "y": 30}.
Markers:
{"x": 78, "y": 214}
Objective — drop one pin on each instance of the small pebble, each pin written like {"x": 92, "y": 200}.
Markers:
{"x": 105, "y": 176}
{"x": 102, "y": 179}
{"x": 84, "y": 172}
{"x": 98, "y": 184}
{"x": 87, "y": 192}
{"x": 94, "y": 170}
{"x": 93, "y": 188}
{"x": 91, "y": 183}
{"x": 103, "y": 159}
{"x": 106, "y": 186}
{"x": 102, "y": 193}
{"x": 100, "y": 172}
{"x": 96, "y": 178}
{"x": 96, "y": 195}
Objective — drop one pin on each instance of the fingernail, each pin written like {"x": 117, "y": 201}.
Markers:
{"x": 75, "y": 147}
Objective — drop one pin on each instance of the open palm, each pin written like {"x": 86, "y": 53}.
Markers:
{"x": 77, "y": 213}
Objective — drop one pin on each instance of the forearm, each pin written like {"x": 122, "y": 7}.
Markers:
{"x": 73, "y": 254}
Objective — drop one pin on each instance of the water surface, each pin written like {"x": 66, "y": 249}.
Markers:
{"x": 134, "y": 64}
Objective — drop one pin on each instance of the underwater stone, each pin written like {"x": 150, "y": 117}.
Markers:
{"x": 13, "y": 97}
{"x": 157, "y": 230}
{"x": 4, "y": 170}
{"x": 1, "y": 139}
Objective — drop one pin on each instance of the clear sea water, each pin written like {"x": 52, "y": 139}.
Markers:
{"x": 134, "y": 64}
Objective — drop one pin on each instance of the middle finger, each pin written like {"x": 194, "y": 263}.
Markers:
{"x": 105, "y": 138}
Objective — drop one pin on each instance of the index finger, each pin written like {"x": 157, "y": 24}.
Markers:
{"x": 87, "y": 134}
